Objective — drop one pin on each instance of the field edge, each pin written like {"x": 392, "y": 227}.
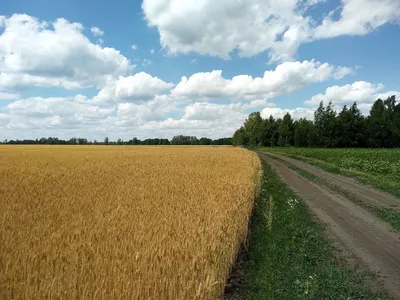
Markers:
{"x": 288, "y": 255}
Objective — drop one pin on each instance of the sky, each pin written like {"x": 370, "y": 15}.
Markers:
{"x": 159, "y": 68}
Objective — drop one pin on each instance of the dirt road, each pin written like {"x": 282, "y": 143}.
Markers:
{"x": 348, "y": 186}
{"x": 353, "y": 227}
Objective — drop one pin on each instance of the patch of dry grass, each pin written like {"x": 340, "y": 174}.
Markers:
{"x": 102, "y": 222}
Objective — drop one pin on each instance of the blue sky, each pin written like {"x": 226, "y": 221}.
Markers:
{"x": 198, "y": 67}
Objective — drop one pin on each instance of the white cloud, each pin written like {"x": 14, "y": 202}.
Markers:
{"x": 71, "y": 108}
{"x": 209, "y": 128}
{"x": 212, "y": 111}
{"x": 138, "y": 87}
{"x": 254, "y": 26}
{"x": 146, "y": 62}
{"x": 362, "y": 92}
{"x": 8, "y": 96}
{"x": 295, "y": 113}
{"x": 286, "y": 78}
{"x": 218, "y": 28}
{"x": 152, "y": 51}
{"x": 359, "y": 17}
{"x": 97, "y": 31}
{"x": 4, "y": 118}
{"x": 56, "y": 116}
{"x": 36, "y": 53}
{"x": 134, "y": 47}
{"x": 134, "y": 114}
{"x": 258, "y": 103}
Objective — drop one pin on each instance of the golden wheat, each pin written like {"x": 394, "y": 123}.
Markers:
{"x": 98, "y": 222}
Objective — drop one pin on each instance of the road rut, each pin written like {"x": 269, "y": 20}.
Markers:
{"x": 353, "y": 227}
{"x": 350, "y": 186}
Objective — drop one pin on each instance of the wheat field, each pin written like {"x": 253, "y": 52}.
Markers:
{"x": 104, "y": 222}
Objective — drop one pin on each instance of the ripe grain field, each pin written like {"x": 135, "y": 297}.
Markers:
{"x": 98, "y": 222}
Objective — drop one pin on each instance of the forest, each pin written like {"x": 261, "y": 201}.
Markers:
{"x": 329, "y": 129}
{"x": 176, "y": 140}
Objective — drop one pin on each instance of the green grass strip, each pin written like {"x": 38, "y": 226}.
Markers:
{"x": 289, "y": 256}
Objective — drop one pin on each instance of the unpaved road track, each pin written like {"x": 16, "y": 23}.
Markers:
{"x": 353, "y": 227}
{"x": 365, "y": 194}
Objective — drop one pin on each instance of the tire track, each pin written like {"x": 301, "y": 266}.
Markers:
{"x": 353, "y": 227}
{"x": 348, "y": 186}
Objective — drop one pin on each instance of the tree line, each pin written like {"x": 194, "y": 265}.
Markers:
{"x": 329, "y": 129}
{"x": 176, "y": 140}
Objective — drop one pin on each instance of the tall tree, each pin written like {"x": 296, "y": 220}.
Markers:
{"x": 350, "y": 124}
{"x": 377, "y": 126}
{"x": 303, "y": 133}
{"x": 239, "y": 137}
{"x": 325, "y": 125}
{"x": 286, "y": 131}
{"x": 270, "y": 134}
{"x": 253, "y": 127}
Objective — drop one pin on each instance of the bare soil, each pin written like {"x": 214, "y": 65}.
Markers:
{"x": 351, "y": 226}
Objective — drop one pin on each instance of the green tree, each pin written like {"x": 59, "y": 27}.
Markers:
{"x": 270, "y": 134}
{"x": 303, "y": 133}
{"x": 325, "y": 125}
{"x": 106, "y": 140}
{"x": 205, "y": 141}
{"x": 253, "y": 127}
{"x": 239, "y": 137}
{"x": 377, "y": 125}
{"x": 286, "y": 131}
{"x": 350, "y": 124}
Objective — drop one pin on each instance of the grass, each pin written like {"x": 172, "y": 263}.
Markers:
{"x": 98, "y": 222}
{"x": 290, "y": 258}
{"x": 389, "y": 215}
{"x": 377, "y": 167}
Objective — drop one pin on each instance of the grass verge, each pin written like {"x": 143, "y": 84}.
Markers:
{"x": 289, "y": 256}
{"x": 388, "y": 215}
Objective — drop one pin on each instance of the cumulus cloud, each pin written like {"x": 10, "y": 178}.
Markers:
{"x": 8, "y": 96}
{"x": 212, "y": 111}
{"x": 254, "y": 26}
{"x": 362, "y": 92}
{"x": 97, "y": 31}
{"x": 296, "y": 113}
{"x": 209, "y": 128}
{"x": 359, "y": 17}
{"x": 138, "y": 87}
{"x": 134, "y": 47}
{"x": 218, "y": 28}
{"x": 37, "y": 53}
{"x": 286, "y": 78}
{"x": 60, "y": 107}
{"x": 4, "y": 119}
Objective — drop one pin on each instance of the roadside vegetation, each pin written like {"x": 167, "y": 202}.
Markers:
{"x": 289, "y": 256}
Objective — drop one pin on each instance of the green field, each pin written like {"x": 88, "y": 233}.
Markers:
{"x": 378, "y": 167}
